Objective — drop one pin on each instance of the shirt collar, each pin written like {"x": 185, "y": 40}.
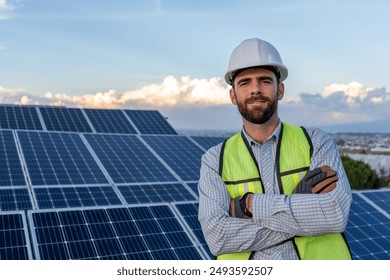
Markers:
{"x": 274, "y": 136}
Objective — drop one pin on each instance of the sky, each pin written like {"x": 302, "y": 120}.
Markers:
{"x": 171, "y": 56}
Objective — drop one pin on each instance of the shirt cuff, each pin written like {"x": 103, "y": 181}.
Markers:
{"x": 261, "y": 209}
{"x": 265, "y": 208}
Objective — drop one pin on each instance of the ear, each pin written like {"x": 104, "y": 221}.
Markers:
{"x": 233, "y": 96}
{"x": 280, "y": 91}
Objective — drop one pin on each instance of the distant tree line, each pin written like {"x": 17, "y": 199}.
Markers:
{"x": 361, "y": 176}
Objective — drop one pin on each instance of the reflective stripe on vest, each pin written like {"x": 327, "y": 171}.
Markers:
{"x": 240, "y": 172}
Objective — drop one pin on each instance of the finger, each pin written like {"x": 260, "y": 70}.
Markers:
{"x": 330, "y": 173}
{"x": 321, "y": 185}
{"x": 321, "y": 177}
{"x": 327, "y": 189}
{"x": 325, "y": 168}
{"x": 316, "y": 179}
{"x": 318, "y": 188}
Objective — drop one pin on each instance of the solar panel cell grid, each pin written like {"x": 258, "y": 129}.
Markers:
{"x": 109, "y": 121}
{"x": 150, "y": 122}
{"x": 152, "y": 193}
{"x": 14, "y": 243}
{"x": 179, "y": 153}
{"x": 15, "y": 199}
{"x": 208, "y": 142}
{"x": 127, "y": 160}
{"x": 18, "y": 117}
{"x": 367, "y": 231}
{"x": 59, "y": 159}
{"x": 382, "y": 199}
{"x": 11, "y": 172}
{"x": 193, "y": 187}
{"x": 189, "y": 212}
{"x": 75, "y": 197}
{"x": 64, "y": 119}
{"x": 112, "y": 233}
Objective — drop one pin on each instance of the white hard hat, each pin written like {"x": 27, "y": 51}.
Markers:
{"x": 255, "y": 52}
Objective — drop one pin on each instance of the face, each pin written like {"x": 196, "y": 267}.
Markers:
{"x": 256, "y": 94}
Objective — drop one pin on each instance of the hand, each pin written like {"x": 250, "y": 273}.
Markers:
{"x": 320, "y": 180}
{"x": 241, "y": 207}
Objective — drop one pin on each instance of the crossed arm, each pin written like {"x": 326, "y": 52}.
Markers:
{"x": 276, "y": 218}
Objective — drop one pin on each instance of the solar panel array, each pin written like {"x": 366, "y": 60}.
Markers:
{"x": 120, "y": 184}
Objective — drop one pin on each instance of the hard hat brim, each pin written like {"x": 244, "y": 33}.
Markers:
{"x": 230, "y": 75}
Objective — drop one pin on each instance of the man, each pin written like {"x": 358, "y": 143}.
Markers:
{"x": 274, "y": 190}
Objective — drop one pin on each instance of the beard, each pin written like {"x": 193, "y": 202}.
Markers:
{"x": 258, "y": 115}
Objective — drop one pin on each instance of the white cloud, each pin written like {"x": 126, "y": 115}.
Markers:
{"x": 179, "y": 92}
{"x": 106, "y": 100}
{"x": 353, "y": 91}
{"x": 339, "y": 103}
{"x": 5, "y": 7}
{"x": 206, "y": 103}
{"x": 172, "y": 92}
{"x": 356, "y": 95}
{"x": 10, "y": 95}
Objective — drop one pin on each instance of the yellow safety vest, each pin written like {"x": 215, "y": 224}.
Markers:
{"x": 240, "y": 172}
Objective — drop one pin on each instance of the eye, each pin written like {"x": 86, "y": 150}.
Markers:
{"x": 266, "y": 83}
{"x": 243, "y": 83}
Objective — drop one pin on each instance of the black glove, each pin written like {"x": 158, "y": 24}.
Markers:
{"x": 319, "y": 180}
{"x": 238, "y": 207}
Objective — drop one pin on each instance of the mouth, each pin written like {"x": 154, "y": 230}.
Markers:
{"x": 257, "y": 101}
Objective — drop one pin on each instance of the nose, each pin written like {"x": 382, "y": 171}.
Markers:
{"x": 256, "y": 90}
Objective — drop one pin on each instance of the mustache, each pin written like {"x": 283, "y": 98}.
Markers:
{"x": 258, "y": 99}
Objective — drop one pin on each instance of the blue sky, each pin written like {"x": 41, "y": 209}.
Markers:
{"x": 171, "y": 56}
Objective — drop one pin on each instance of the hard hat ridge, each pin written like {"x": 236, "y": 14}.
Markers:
{"x": 254, "y": 53}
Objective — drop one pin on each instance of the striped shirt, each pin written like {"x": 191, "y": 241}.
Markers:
{"x": 276, "y": 217}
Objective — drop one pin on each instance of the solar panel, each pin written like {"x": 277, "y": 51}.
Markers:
{"x": 189, "y": 212}
{"x": 127, "y": 160}
{"x": 19, "y": 117}
{"x": 145, "y": 232}
{"x": 14, "y": 238}
{"x": 150, "y": 122}
{"x": 152, "y": 193}
{"x": 208, "y": 142}
{"x": 11, "y": 172}
{"x": 15, "y": 199}
{"x": 368, "y": 231}
{"x": 64, "y": 119}
{"x": 54, "y": 158}
{"x": 68, "y": 197}
{"x": 179, "y": 152}
{"x": 382, "y": 198}
{"x": 109, "y": 121}
{"x": 193, "y": 186}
